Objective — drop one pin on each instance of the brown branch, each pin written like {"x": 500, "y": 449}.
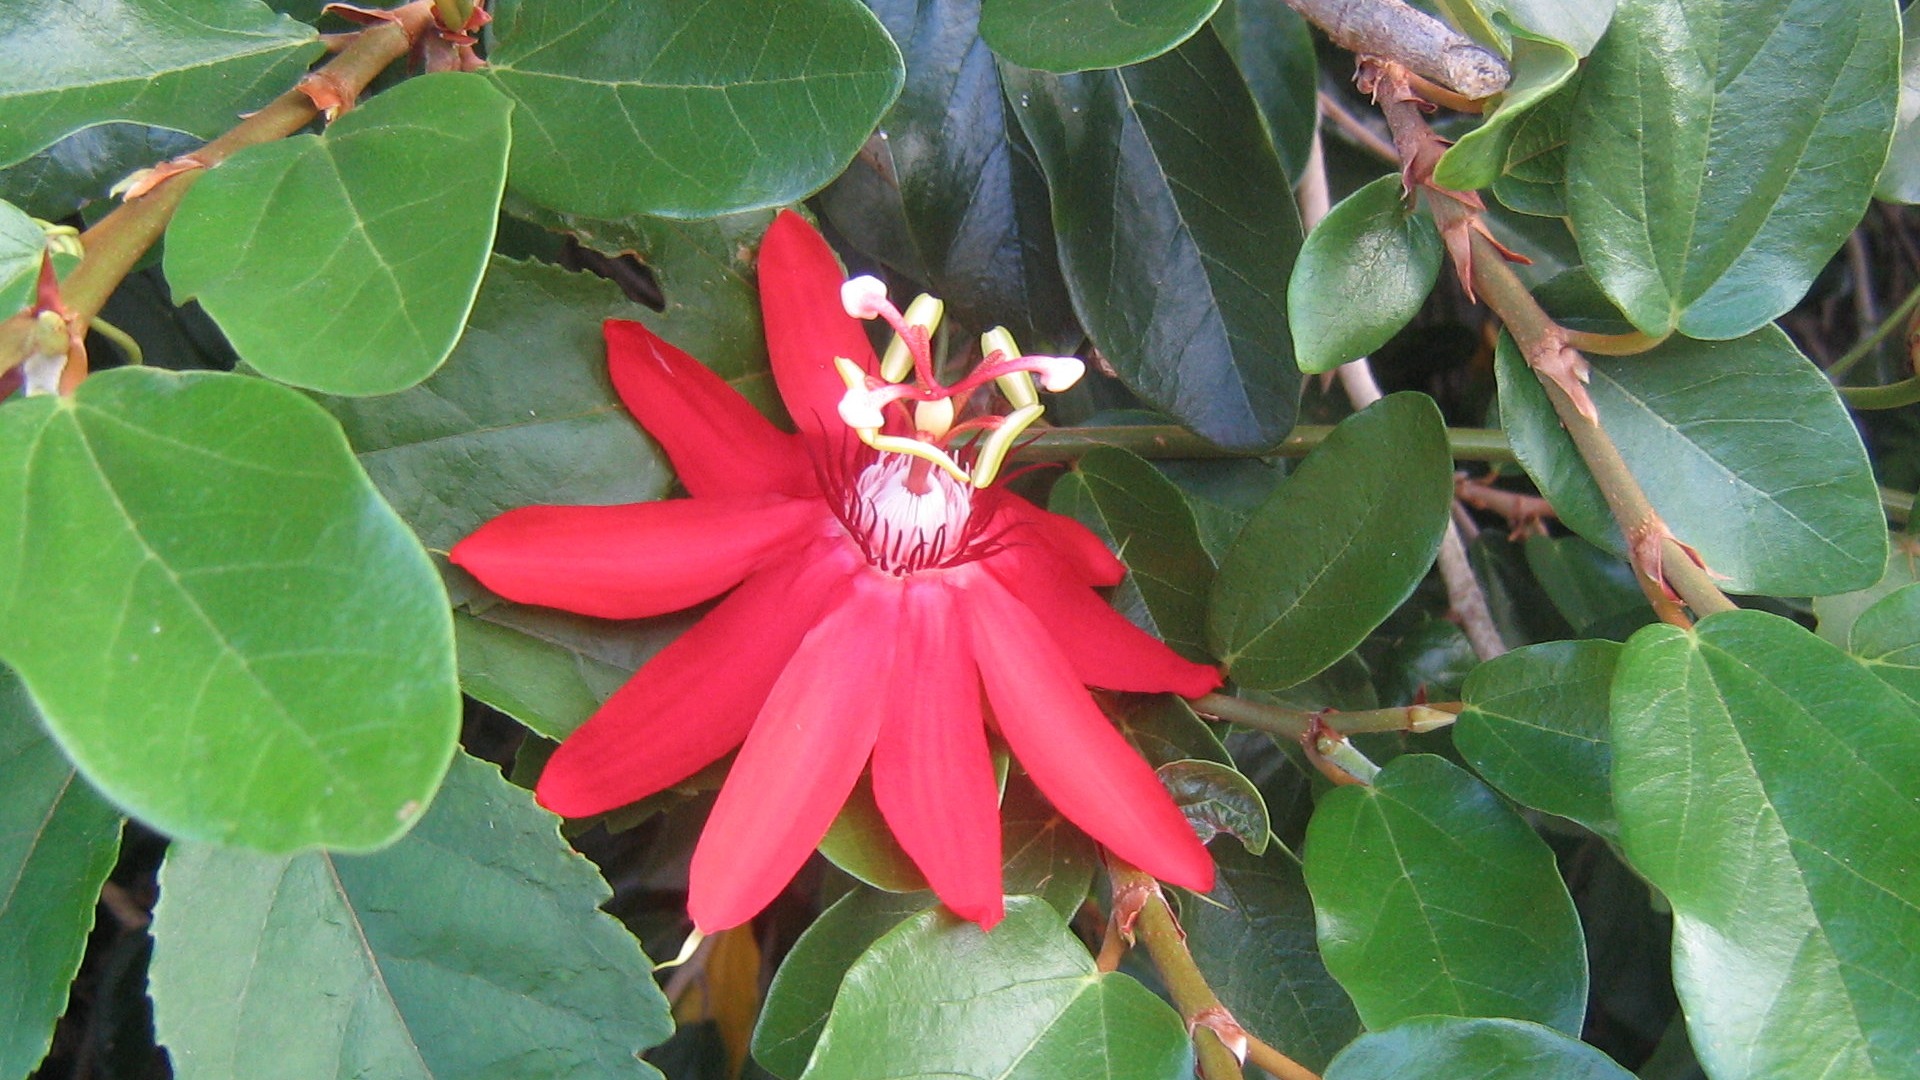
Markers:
{"x": 1420, "y": 42}
{"x": 1526, "y": 515}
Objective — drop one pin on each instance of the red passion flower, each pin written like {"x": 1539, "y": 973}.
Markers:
{"x": 877, "y": 585}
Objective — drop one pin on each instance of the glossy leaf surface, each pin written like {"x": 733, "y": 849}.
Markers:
{"x": 1273, "y": 47}
{"x": 1444, "y": 1048}
{"x": 683, "y": 108}
{"x": 1742, "y": 446}
{"x": 347, "y": 262}
{"x": 1363, "y": 273}
{"x": 58, "y": 840}
{"x": 1536, "y": 727}
{"x": 1540, "y": 69}
{"x": 401, "y": 964}
{"x": 1720, "y": 152}
{"x": 1216, "y": 799}
{"x": 1887, "y": 637}
{"x": 221, "y": 621}
{"x": 1337, "y": 548}
{"x": 1434, "y": 898}
{"x": 1077, "y": 35}
{"x": 1900, "y": 179}
{"x": 1022, "y": 1002}
{"x": 1176, "y": 233}
{"x": 21, "y": 244}
{"x": 1792, "y": 897}
{"x": 190, "y": 67}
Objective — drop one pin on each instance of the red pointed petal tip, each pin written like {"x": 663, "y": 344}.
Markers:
{"x": 1072, "y": 752}
{"x": 719, "y": 444}
{"x": 635, "y": 560}
{"x": 932, "y": 772}
{"x": 808, "y": 746}
{"x": 806, "y": 327}
{"x": 697, "y": 698}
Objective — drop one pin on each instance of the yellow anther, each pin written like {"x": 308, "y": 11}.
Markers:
{"x": 1018, "y": 387}
{"x": 916, "y": 448}
{"x": 999, "y": 443}
{"x": 925, "y": 312}
{"x": 933, "y": 418}
{"x": 850, "y": 373}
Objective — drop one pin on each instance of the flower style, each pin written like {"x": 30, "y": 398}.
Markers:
{"x": 876, "y": 581}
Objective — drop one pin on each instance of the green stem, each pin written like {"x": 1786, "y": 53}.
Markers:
{"x": 1891, "y": 396}
{"x": 1296, "y": 723}
{"x": 1162, "y": 441}
{"x": 1887, "y": 326}
{"x": 1694, "y": 585}
{"x": 1167, "y": 947}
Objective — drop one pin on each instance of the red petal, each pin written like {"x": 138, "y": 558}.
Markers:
{"x": 932, "y": 773}
{"x": 1072, "y": 752}
{"x": 696, "y": 699}
{"x": 807, "y": 748}
{"x": 806, "y": 327}
{"x": 631, "y": 561}
{"x": 720, "y": 445}
{"x": 1104, "y": 648}
{"x": 1019, "y": 523}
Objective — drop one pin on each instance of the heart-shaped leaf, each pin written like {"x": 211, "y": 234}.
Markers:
{"x": 1446, "y": 1048}
{"x": 1434, "y": 898}
{"x": 1363, "y": 272}
{"x": 684, "y": 108}
{"x": 400, "y": 964}
{"x": 346, "y": 262}
{"x": 1176, "y": 231}
{"x": 1337, "y": 548}
{"x": 1721, "y": 151}
{"x": 1535, "y": 726}
{"x": 1078, "y": 35}
{"x": 1769, "y": 787}
{"x": 222, "y": 623}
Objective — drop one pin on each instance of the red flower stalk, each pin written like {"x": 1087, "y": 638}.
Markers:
{"x": 878, "y": 585}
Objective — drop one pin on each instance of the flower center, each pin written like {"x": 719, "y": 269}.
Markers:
{"x": 903, "y": 530}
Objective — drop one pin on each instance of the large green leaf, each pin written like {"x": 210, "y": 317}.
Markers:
{"x": 1337, "y": 548}
{"x": 347, "y": 261}
{"x": 1535, "y": 726}
{"x": 1143, "y": 516}
{"x": 803, "y": 989}
{"x": 1255, "y": 944}
{"x": 1703, "y": 425}
{"x": 1433, "y": 897}
{"x": 1886, "y": 637}
{"x": 192, "y": 67}
{"x": 1769, "y": 787}
{"x": 687, "y": 108}
{"x": 83, "y": 167}
{"x": 950, "y": 193}
{"x": 1078, "y": 35}
{"x": 223, "y": 624}
{"x": 1836, "y": 614}
{"x": 1540, "y": 68}
{"x": 473, "y": 948}
{"x": 57, "y": 842}
{"x": 1177, "y": 232}
{"x": 1273, "y": 46}
{"x": 1900, "y": 179}
{"x": 1593, "y": 590}
{"x": 939, "y": 997}
{"x": 1363, "y": 273}
{"x": 1720, "y": 151}
{"x": 1445, "y": 1048}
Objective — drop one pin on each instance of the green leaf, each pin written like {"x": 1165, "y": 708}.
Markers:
{"x": 471, "y": 948}
{"x": 1164, "y": 728}
{"x": 1177, "y": 232}
{"x": 193, "y": 68}
{"x": 1535, "y": 726}
{"x": 222, "y": 623}
{"x": 1769, "y": 787}
{"x": 1445, "y": 1048}
{"x": 1434, "y": 897}
{"x": 58, "y": 840}
{"x": 1144, "y": 517}
{"x": 1337, "y": 548}
{"x": 83, "y": 167}
{"x": 1217, "y": 799}
{"x": 1900, "y": 179}
{"x": 1534, "y": 180}
{"x": 1255, "y": 944}
{"x": 939, "y": 997}
{"x": 1577, "y": 26}
{"x": 1079, "y": 35}
{"x": 1594, "y": 591}
{"x": 21, "y": 245}
{"x": 1721, "y": 151}
{"x": 1363, "y": 273}
{"x": 550, "y": 669}
{"x": 684, "y": 108}
{"x": 860, "y": 843}
{"x": 1836, "y": 614}
{"x": 803, "y": 989}
{"x": 1701, "y": 424}
{"x": 1273, "y": 47}
{"x": 1887, "y": 637}
{"x": 347, "y": 262}
{"x": 1540, "y": 68}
